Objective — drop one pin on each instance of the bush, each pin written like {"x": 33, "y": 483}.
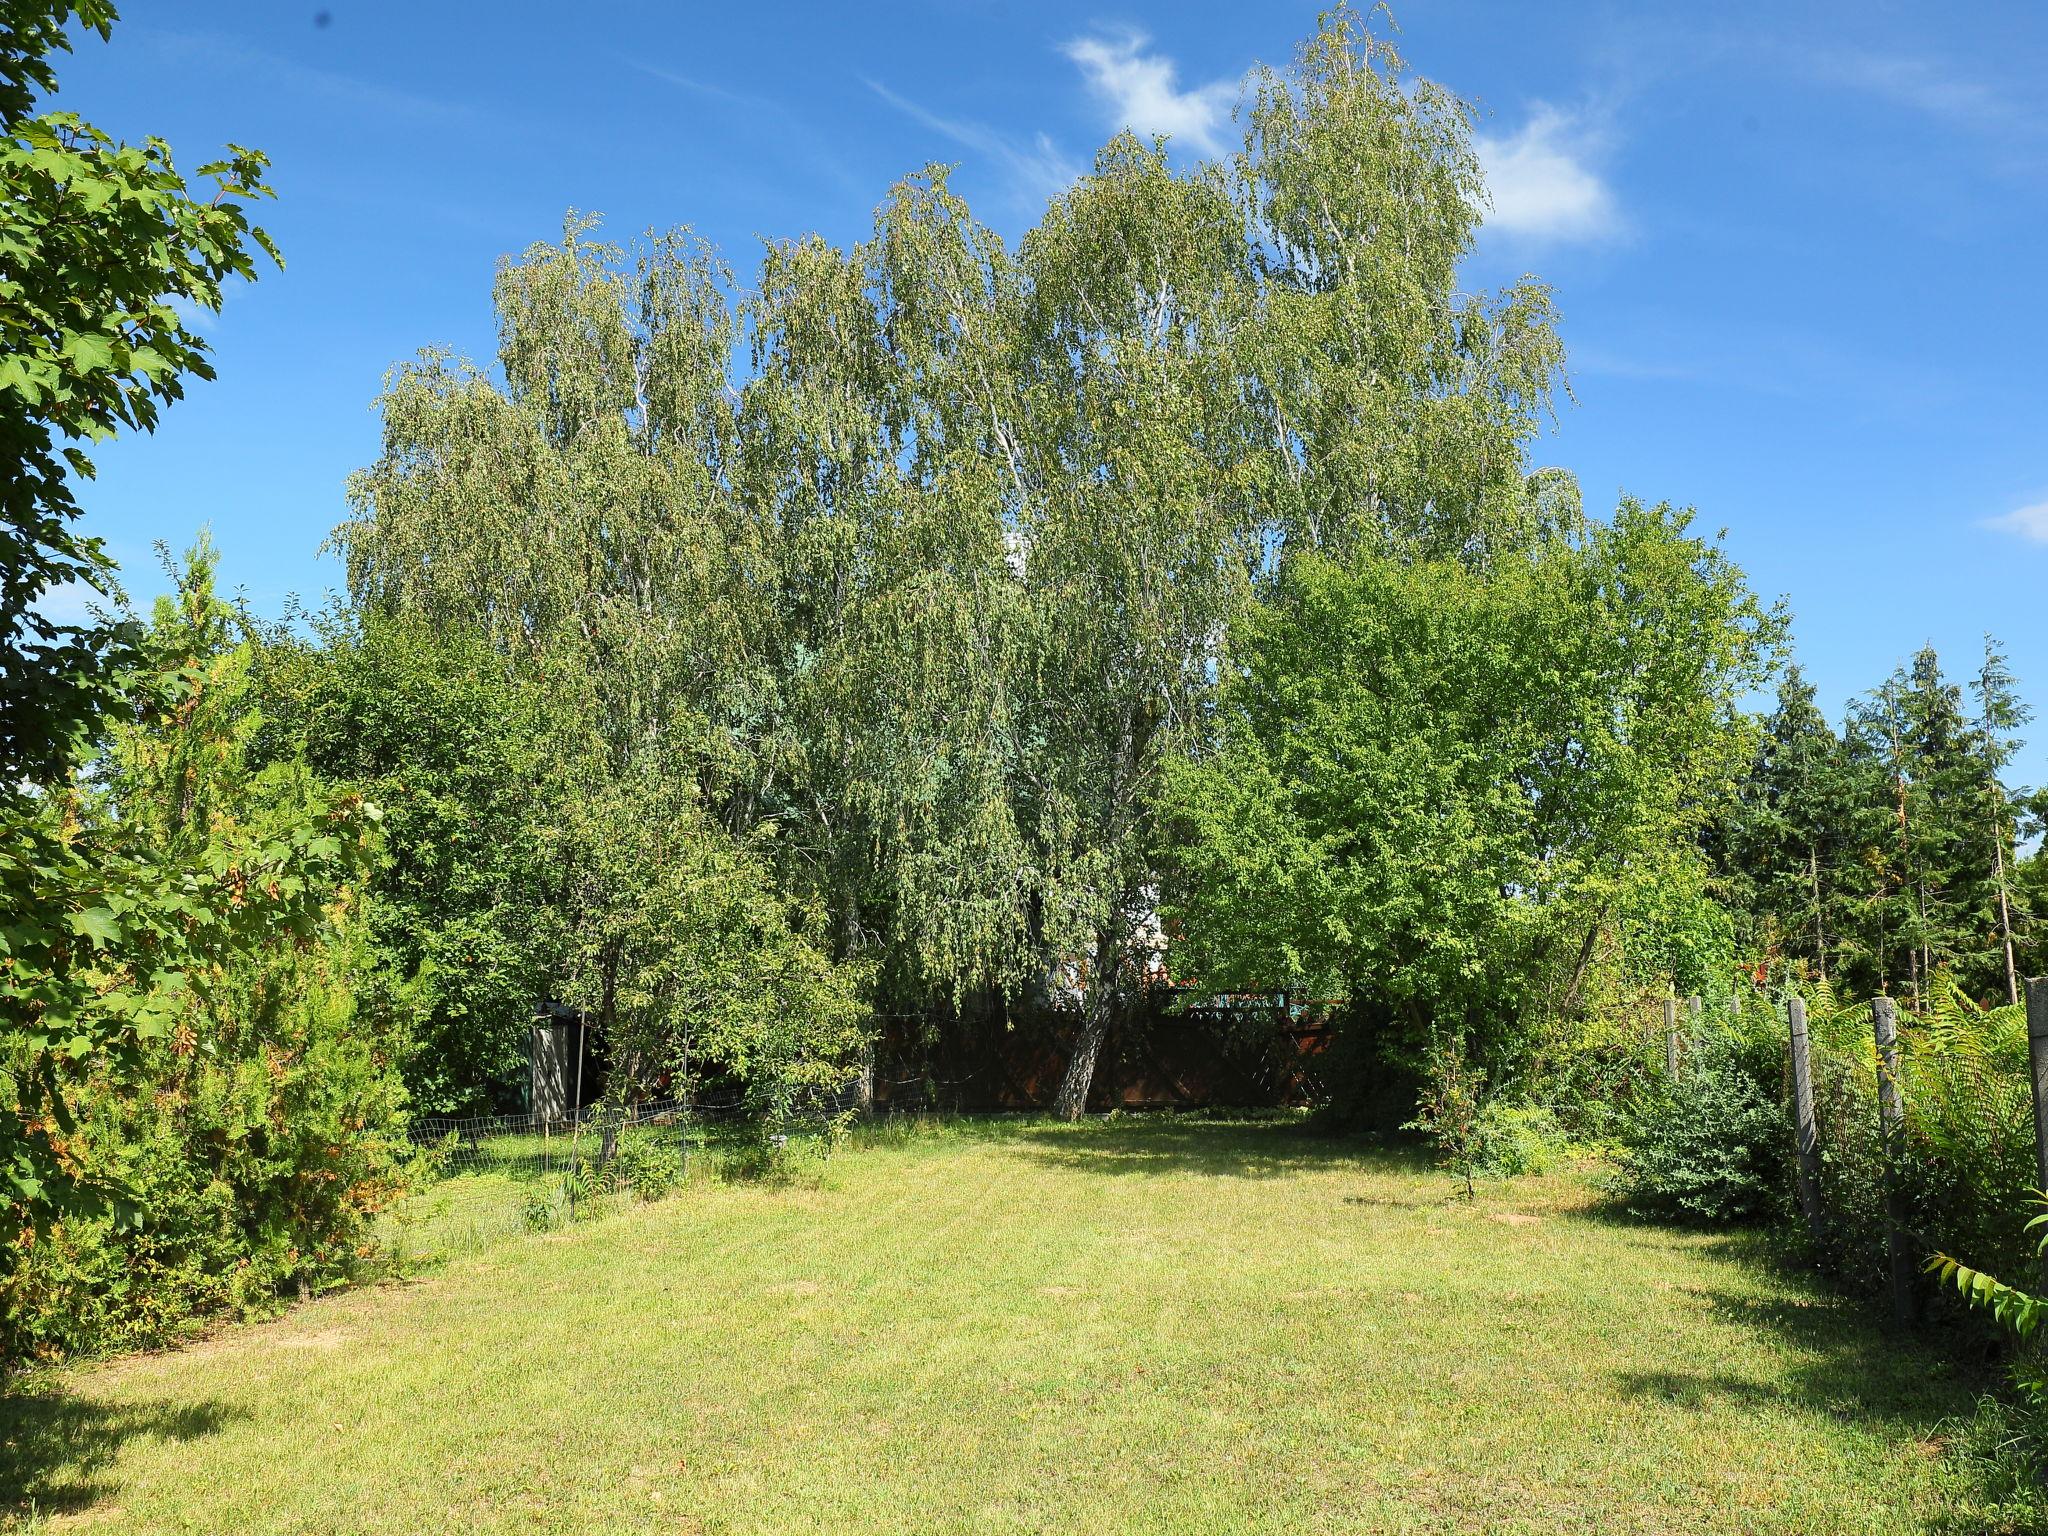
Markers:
{"x": 236, "y": 1114}
{"x": 1965, "y": 1169}
{"x": 256, "y": 1150}
{"x": 1478, "y": 1135}
{"x": 1518, "y": 1139}
{"x": 649, "y": 1164}
{"x": 1710, "y": 1146}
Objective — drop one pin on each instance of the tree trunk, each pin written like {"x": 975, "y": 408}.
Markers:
{"x": 2012, "y": 975}
{"x": 1072, "y": 1100}
{"x": 1820, "y": 940}
{"x": 1924, "y": 951}
{"x": 1579, "y": 968}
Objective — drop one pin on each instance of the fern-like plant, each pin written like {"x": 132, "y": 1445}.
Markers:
{"x": 2020, "y": 1312}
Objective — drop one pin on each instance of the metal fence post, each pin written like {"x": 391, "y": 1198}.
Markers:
{"x": 2037, "y": 1055}
{"x": 1891, "y": 1120}
{"x": 1806, "y": 1134}
{"x": 1671, "y": 1037}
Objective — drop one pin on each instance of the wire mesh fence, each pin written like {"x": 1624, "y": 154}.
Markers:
{"x": 1907, "y": 1130}
{"x": 472, "y": 1181}
{"x": 1918, "y": 1135}
{"x": 527, "y": 1145}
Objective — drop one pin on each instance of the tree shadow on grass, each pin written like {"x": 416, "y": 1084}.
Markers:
{"x": 1841, "y": 1358}
{"x": 1842, "y": 1355}
{"x": 1211, "y": 1146}
{"x": 53, "y": 1447}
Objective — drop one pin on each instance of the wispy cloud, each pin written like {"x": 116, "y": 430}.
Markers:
{"x": 1937, "y": 90}
{"x": 698, "y": 87}
{"x": 70, "y": 602}
{"x": 1140, "y": 91}
{"x": 196, "y": 318}
{"x": 368, "y": 97}
{"x": 797, "y": 140}
{"x": 1543, "y": 180}
{"x": 2008, "y": 122}
{"x": 2029, "y": 522}
{"x": 1036, "y": 169}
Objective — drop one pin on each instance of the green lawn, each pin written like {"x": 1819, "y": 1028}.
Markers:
{"x": 1167, "y": 1326}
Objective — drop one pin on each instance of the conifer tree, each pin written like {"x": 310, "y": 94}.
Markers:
{"x": 2000, "y": 714}
{"x": 1789, "y": 846}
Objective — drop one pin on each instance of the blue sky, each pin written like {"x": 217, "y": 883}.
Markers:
{"x": 1799, "y": 249}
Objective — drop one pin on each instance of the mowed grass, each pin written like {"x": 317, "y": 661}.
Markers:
{"x": 1157, "y": 1325}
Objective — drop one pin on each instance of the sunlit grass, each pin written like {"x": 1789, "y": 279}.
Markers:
{"x": 1165, "y": 1326}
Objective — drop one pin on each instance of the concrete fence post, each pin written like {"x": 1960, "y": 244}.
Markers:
{"x": 2037, "y": 1054}
{"x": 1805, "y": 1131}
{"x": 1891, "y": 1120}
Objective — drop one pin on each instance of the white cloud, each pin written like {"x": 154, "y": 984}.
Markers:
{"x": 363, "y": 97}
{"x": 1037, "y": 170}
{"x": 70, "y": 602}
{"x": 2007, "y": 120}
{"x": 1543, "y": 184}
{"x": 1934, "y": 89}
{"x": 1140, "y": 91}
{"x": 2030, "y": 523}
{"x": 698, "y": 87}
{"x": 196, "y": 317}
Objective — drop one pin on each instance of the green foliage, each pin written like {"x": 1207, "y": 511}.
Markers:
{"x": 650, "y": 1165}
{"x": 1886, "y": 856}
{"x": 1518, "y": 1139}
{"x": 97, "y": 239}
{"x": 462, "y": 931}
{"x": 1480, "y": 1134}
{"x": 1789, "y": 847}
{"x": 692, "y": 963}
{"x": 1966, "y": 1162}
{"x": 135, "y": 922}
{"x": 1710, "y": 1145}
{"x": 935, "y": 582}
{"x": 221, "y": 1119}
{"x": 920, "y": 621}
{"x": 1432, "y": 789}
{"x": 1450, "y": 1110}
{"x": 2020, "y": 1312}
{"x": 103, "y": 940}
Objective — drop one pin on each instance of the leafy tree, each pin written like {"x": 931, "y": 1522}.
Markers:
{"x": 1136, "y": 545}
{"x": 690, "y": 960}
{"x": 102, "y": 938}
{"x": 1451, "y": 1110}
{"x": 99, "y": 238}
{"x": 1392, "y": 407}
{"x": 1268, "y": 356}
{"x": 921, "y": 553}
{"x": 1939, "y": 773}
{"x": 462, "y": 932}
{"x": 2000, "y": 714}
{"x": 1426, "y": 785}
{"x": 589, "y": 525}
{"x": 1935, "y": 903}
{"x": 1887, "y": 856}
{"x": 212, "y": 1117}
